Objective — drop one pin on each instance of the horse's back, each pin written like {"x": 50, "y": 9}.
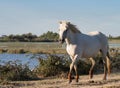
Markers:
{"x": 93, "y": 42}
{"x": 94, "y": 33}
{"x": 101, "y": 37}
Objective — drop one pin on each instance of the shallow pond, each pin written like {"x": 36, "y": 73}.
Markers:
{"x": 28, "y": 59}
{"x": 31, "y": 61}
{"x": 114, "y": 45}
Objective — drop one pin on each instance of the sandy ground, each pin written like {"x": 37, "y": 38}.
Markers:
{"x": 113, "y": 81}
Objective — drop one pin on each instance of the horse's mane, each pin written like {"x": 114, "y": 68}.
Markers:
{"x": 73, "y": 28}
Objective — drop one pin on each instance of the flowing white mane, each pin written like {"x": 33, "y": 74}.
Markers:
{"x": 73, "y": 28}
{"x": 70, "y": 26}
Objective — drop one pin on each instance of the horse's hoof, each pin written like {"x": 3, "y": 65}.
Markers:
{"x": 77, "y": 77}
{"x": 77, "y": 81}
{"x": 104, "y": 79}
{"x": 91, "y": 77}
{"x": 70, "y": 81}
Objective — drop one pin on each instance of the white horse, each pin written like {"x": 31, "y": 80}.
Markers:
{"x": 81, "y": 45}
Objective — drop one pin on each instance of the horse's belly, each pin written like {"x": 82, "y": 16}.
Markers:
{"x": 90, "y": 53}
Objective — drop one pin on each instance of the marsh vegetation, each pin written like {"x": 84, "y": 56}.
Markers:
{"x": 52, "y": 67}
{"x": 53, "y": 70}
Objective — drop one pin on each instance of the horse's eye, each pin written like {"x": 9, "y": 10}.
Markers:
{"x": 66, "y": 30}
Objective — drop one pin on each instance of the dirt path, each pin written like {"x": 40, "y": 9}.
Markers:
{"x": 112, "y": 82}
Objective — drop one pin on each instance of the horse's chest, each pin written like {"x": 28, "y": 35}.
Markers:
{"x": 71, "y": 49}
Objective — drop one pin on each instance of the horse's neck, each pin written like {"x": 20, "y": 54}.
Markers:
{"x": 71, "y": 38}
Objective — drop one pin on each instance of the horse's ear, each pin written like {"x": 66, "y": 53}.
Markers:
{"x": 60, "y": 22}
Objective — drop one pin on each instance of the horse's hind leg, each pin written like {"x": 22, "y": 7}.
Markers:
{"x": 105, "y": 68}
{"x": 92, "y": 68}
{"x": 108, "y": 63}
{"x": 104, "y": 54}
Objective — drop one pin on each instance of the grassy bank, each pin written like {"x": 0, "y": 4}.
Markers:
{"x": 31, "y": 47}
{"x": 117, "y": 41}
{"x": 37, "y": 47}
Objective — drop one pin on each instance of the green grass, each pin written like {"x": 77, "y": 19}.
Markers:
{"x": 36, "y": 47}
{"x": 31, "y": 47}
{"x": 114, "y": 41}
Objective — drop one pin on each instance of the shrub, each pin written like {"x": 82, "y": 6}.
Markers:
{"x": 116, "y": 63}
{"x": 14, "y": 71}
{"x": 83, "y": 67}
{"x": 52, "y": 66}
{"x": 55, "y": 65}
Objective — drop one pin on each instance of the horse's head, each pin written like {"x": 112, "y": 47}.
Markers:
{"x": 63, "y": 28}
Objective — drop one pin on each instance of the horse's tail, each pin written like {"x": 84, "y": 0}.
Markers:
{"x": 105, "y": 43}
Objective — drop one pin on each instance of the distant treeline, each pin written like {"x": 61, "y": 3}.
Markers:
{"x": 29, "y": 37}
{"x": 111, "y": 37}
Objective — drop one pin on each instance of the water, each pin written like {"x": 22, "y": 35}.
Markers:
{"x": 33, "y": 62}
{"x": 23, "y": 58}
{"x": 114, "y": 45}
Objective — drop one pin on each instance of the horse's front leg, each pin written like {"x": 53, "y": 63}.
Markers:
{"x": 73, "y": 64}
{"x": 76, "y": 71}
{"x": 70, "y": 72}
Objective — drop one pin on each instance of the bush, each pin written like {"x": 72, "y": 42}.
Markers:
{"x": 83, "y": 67}
{"x": 52, "y": 66}
{"x": 55, "y": 65}
{"x": 116, "y": 63}
{"x": 14, "y": 71}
